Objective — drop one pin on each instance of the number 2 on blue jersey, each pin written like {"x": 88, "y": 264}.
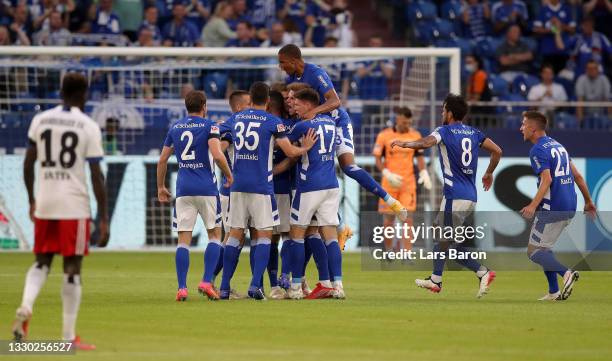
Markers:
{"x": 186, "y": 154}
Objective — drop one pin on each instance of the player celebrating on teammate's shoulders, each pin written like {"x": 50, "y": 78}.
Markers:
{"x": 254, "y": 133}
{"x": 290, "y": 61}
{"x": 317, "y": 197}
{"x": 458, "y": 147}
{"x": 65, "y": 138}
{"x": 195, "y": 142}
{"x": 554, "y": 205}
{"x": 398, "y": 169}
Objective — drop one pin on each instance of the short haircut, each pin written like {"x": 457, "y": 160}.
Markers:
{"x": 308, "y": 95}
{"x": 278, "y": 86}
{"x": 236, "y": 96}
{"x": 195, "y": 101}
{"x": 246, "y": 23}
{"x": 547, "y": 66}
{"x": 74, "y": 86}
{"x": 405, "y": 111}
{"x": 277, "y": 102}
{"x": 291, "y": 50}
{"x": 331, "y": 38}
{"x": 456, "y": 105}
{"x": 296, "y": 87}
{"x": 260, "y": 93}
{"x": 537, "y": 117}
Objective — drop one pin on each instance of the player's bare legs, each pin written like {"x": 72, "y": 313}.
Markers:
{"x": 348, "y": 166}
{"x": 211, "y": 260}
{"x": 35, "y": 280}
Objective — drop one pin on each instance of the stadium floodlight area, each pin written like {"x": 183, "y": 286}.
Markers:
{"x": 135, "y": 94}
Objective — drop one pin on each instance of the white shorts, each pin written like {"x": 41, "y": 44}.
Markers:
{"x": 545, "y": 234}
{"x": 283, "y": 202}
{"x": 454, "y": 212}
{"x": 344, "y": 140}
{"x": 253, "y": 209}
{"x": 323, "y": 205}
{"x": 225, "y": 212}
{"x": 187, "y": 208}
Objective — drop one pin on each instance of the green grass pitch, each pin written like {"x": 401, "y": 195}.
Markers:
{"x": 129, "y": 312}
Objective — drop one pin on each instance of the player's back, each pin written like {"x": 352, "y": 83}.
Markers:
{"x": 283, "y": 181}
{"x": 458, "y": 147}
{"x": 547, "y": 153}
{"x": 316, "y": 170}
{"x": 189, "y": 136}
{"x": 65, "y": 139}
{"x": 253, "y": 134}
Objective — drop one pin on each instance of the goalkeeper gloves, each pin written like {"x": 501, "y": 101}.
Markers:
{"x": 394, "y": 179}
{"x": 424, "y": 179}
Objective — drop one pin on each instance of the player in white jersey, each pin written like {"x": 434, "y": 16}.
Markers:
{"x": 64, "y": 140}
{"x": 195, "y": 142}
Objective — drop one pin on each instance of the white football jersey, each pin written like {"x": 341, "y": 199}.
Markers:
{"x": 65, "y": 141}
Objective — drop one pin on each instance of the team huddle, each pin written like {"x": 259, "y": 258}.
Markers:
{"x": 277, "y": 154}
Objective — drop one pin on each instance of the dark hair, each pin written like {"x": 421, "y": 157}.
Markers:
{"x": 195, "y": 101}
{"x": 549, "y": 66}
{"x": 291, "y": 50}
{"x": 331, "y": 38}
{"x": 235, "y": 97}
{"x": 74, "y": 87}
{"x": 537, "y": 117}
{"x": 405, "y": 111}
{"x": 247, "y": 23}
{"x": 456, "y": 105}
{"x": 308, "y": 95}
{"x": 260, "y": 93}
{"x": 478, "y": 61}
{"x": 277, "y": 103}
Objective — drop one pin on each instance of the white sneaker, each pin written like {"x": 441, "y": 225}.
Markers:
{"x": 485, "y": 282}
{"x": 338, "y": 293}
{"x": 569, "y": 279}
{"x": 20, "y": 325}
{"x": 295, "y": 293}
{"x": 427, "y": 283}
{"x": 551, "y": 296}
{"x": 305, "y": 288}
{"x": 277, "y": 293}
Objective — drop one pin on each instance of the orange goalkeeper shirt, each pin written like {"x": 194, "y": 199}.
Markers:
{"x": 398, "y": 160}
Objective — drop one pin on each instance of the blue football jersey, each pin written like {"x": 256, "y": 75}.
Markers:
{"x": 253, "y": 135}
{"x": 282, "y": 181}
{"x": 225, "y": 131}
{"x": 189, "y": 136}
{"x": 458, "y": 151}
{"x": 316, "y": 169}
{"x": 547, "y": 153}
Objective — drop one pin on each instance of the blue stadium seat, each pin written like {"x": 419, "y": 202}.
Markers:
{"x": 523, "y": 83}
{"x": 565, "y": 121}
{"x": 486, "y": 47}
{"x": 517, "y": 109}
{"x": 499, "y": 86}
{"x": 424, "y": 32}
{"x": 215, "y": 84}
{"x": 512, "y": 121}
{"x": 597, "y": 122}
{"x": 451, "y": 10}
{"x": 421, "y": 10}
{"x": 443, "y": 29}
{"x": 567, "y": 84}
{"x": 466, "y": 46}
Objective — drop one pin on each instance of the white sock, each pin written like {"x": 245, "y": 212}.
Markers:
{"x": 481, "y": 271}
{"x": 326, "y": 283}
{"x": 71, "y": 299}
{"x": 390, "y": 200}
{"x": 338, "y": 284}
{"x": 435, "y": 278}
{"x": 35, "y": 279}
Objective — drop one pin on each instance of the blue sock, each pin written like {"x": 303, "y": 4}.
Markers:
{"x": 273, "y": 265}
{"x": 319, "y": 253}
{"x": 297, "y": 257}
{"x": 261, "y": 257}
{"x": 469, "y": 263}
{"x": 252, "y": 254}
{"x": 219, "y": 262}
{"x": 286, "y": 257}
{"x": 211, "y": 259}
{"x": 334, "y": 255}
{"x": 307, "y": 255}
{"x": 438, "y": 264}
{"x": 181, "y": 259}
{"x": 365, "y": 180}
{"x": 230, "y": 261}
{"x": 546, "y": 259}
{"x": 553, "y": 283}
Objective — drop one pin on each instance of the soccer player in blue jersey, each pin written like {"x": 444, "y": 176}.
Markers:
{"x": 290, "y": 61}
{"x": 458, "y": 145}
{"x": 554, "y": 205}
{"x": 317, "y": 197}
{"x": 195, "y": 142}
{"x": 252, "y": 202}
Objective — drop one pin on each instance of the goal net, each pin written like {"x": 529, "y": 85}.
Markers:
{"x": 136, "y": 93}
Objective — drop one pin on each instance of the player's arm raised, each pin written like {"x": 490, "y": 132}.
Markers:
{"x": 545, "y": 182}
{"x": 99, "y": 189}
{"x": 332, "y": 101}
{"x": 496, "y": 153}
{"x": 423, "y": 143}
{"x": 589, "y": 206}
{"x": 215, "y": 149}
{"x": 163, "y": 194}
{"x": 308, "y": 140}
{"x": 28, "y": 176}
